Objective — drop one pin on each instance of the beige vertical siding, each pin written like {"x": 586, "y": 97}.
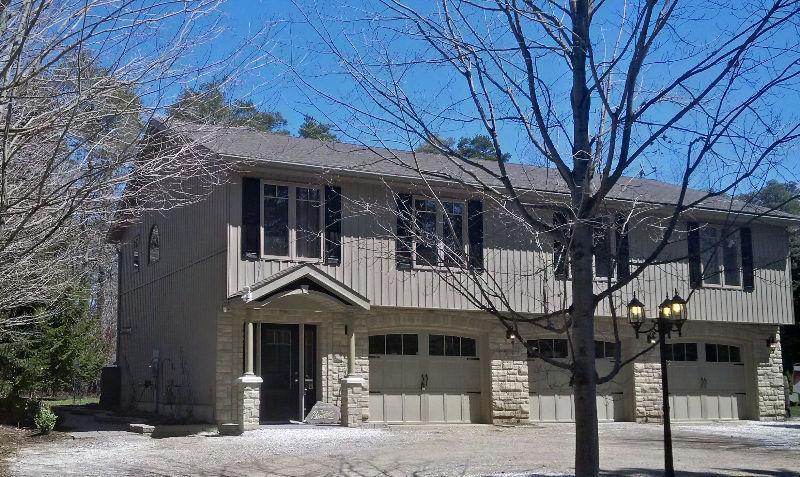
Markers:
{"x": 171, "y": 305}
{"x": 514, "y": 265}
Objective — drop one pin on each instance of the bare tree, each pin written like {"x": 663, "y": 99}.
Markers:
{"x": 79, "y": 83}
{"x": 596, "y": 92}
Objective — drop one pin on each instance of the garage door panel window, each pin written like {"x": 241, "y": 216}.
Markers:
{"x": 682, "y": 352}
{"x": 394, "y": 344}
{"x": 605, "y": 349}
{"x": 720, "y": 353}
{"x": 447, "y": 345}
{"x": 548, "y": 348}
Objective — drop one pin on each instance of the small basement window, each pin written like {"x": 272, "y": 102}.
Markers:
{"x": 604, "y": 349}
{"x": 682, "y": 352}
{"x": 720, "y": 353}
{"x": 446, "y": 345}
{"x": 548, "y": 348}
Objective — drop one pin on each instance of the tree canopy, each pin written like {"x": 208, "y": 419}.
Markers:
{"x": 313, "y": 129}
{"x": 209, "y": 103}
{"x": 479, "y": 146}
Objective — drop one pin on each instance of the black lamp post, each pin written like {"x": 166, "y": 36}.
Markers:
{"x": 671, "y": 317}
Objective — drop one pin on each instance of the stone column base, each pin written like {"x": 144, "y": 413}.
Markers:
{"x": 354, "y": 395}
{"x": 249, "y": 394}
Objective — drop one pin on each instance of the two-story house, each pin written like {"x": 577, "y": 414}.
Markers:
{"x": 286, "y": 286}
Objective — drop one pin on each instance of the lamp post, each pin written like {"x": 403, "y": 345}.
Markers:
{"x": 671, "y": 317}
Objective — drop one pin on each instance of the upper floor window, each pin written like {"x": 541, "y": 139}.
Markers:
{"x": 446, "y": 345}
{"x": 720, "y": 353}
{"x": 548, "y": 348}
{"x": 560, "y": 252}
{"x": 292, "y": 221}
{"x": 605, "y": 349}
{"x": 720, "y": 257}
{"x": 439, "y": 232}
{"x": 135, "y": 247}
{"x": 154, "y": 245}
{"x": 682, "y": 351}
{"x": 603, "y": 240}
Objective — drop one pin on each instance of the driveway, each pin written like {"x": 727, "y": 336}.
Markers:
{"x": 739, "y": 448}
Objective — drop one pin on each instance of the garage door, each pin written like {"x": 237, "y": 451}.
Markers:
{"x": 706, "y": 381}
{"x": 551, "y": 397}
{"x": 424, "y": 378}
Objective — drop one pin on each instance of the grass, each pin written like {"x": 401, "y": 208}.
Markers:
{"x": 72, "y": 402}
{"x": 795, "y": 410}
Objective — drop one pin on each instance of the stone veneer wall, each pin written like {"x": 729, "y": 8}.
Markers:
{"x": 333, "y": 348}
{"x": 226, "y": 402}
{"x": 510, "y": 393}
{"x": 769, "y": 381}
{"x": 647, "y": 391}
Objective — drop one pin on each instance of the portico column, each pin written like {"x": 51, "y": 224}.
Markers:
{"x": 248, "y": 351}
{"x": 354, "y": 392}
{"x": 351, "y": 350}
{"x": 249, "y": 412}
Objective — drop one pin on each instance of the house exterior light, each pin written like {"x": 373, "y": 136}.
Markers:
{"x": 636, "y": 313}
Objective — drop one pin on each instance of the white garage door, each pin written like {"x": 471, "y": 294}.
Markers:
{"x": 424, "y": 377}
{"x": 706, "y": 381}
{"x": 551, "y": 397}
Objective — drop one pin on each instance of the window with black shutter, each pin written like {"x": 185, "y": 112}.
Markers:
{"x": 404, "y": 241}
{"x": 623, "y": 250}
{"x": 693, "y": 246}
{"x": 560, "y": 255}
{"x": 333, "y": 225}
{"x": 251, "y": 218}
{"x": 603, "y": 267}
{"x": 748, "y": 271}
{"x": 475, "y": 234}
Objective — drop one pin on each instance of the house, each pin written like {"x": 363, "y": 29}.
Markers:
{"x": 286, "y": 286}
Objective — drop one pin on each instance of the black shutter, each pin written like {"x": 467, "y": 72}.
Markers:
{"x": 251, "y": 218}
{"x": 333, "y": 225}
{"x": 623, "y": 250}
{"x": 748, "y": 273}
{"x": 693, "y": 243}
{"x": 475, "y": 234}
{"x": 560, "y": 253}
{"x": 404, "y": 236}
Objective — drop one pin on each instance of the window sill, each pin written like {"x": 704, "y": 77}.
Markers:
{"x": 275, "y": 258}
{"x": 712, "y": 286}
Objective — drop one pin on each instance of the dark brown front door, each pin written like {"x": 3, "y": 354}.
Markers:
{"x": 280, "y": 360}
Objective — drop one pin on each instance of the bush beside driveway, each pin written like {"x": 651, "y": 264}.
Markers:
{"x": 735, "y": 448}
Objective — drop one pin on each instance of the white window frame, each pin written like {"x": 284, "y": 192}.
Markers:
{"x": 293, "y": 222}
{"x": 440, "y": 232}
{"x": 721, "y": 257}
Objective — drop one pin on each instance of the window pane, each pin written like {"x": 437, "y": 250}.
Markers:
{"x": 611, "y": 349}
{"x": 599, "y": 351}
{"x": 468, "y": 347}
{"x": 377, "y": 344}
{"x": 452, "y": 346}
{"x": 709, "y": 256}
{"x": 730, "y": 261}
{"x": 691, "y": 351}
{"x": 723, "y": 356}
{"x": 426, "y": 240}
{"x": 669, "y": 353}
{"x": 436, "y": 345}
{"x": 736, "y": 356}
{"x": 545, "y": 348}
{"x": 679, "y": 352}
{"x": 559, "y": 348}
{"x": 453, "y": 233}
{"x": 602, "y": 253}
{"x": 711, "y": 353}
{"x": 394, "y": 344}
{"x": 276, "y": 220}
{"x": 410, "y": 344}
{"x": 308, "y": 208}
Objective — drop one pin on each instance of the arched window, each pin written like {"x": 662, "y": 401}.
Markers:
{"x": 154, "y": 245}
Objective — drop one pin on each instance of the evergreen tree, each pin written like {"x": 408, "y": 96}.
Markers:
{"x": 313, "y": 129}
{"x": 209, "y": 104}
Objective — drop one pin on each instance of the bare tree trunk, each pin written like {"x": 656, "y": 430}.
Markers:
{"x": 587, "y": 455}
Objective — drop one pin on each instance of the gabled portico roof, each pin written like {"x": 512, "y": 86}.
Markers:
{"x": 302, "y": 279}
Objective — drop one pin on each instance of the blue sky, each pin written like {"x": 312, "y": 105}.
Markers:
{"x": 293, "y": 41}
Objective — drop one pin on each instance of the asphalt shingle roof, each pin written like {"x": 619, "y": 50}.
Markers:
{"x": 254, "y": 146}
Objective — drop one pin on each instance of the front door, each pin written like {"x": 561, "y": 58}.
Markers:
{"x": 280, "y": 360}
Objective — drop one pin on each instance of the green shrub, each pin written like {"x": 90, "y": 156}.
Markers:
{"x": 45, "y": 420}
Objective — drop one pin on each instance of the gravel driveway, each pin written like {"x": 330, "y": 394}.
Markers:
{"x": 740, "y": 448}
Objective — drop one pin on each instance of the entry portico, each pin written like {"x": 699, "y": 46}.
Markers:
{"x": 299, "y": 347}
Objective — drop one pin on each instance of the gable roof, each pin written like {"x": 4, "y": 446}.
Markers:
{"x": 306, "y": 277}
{"x": 261, "y": 148}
